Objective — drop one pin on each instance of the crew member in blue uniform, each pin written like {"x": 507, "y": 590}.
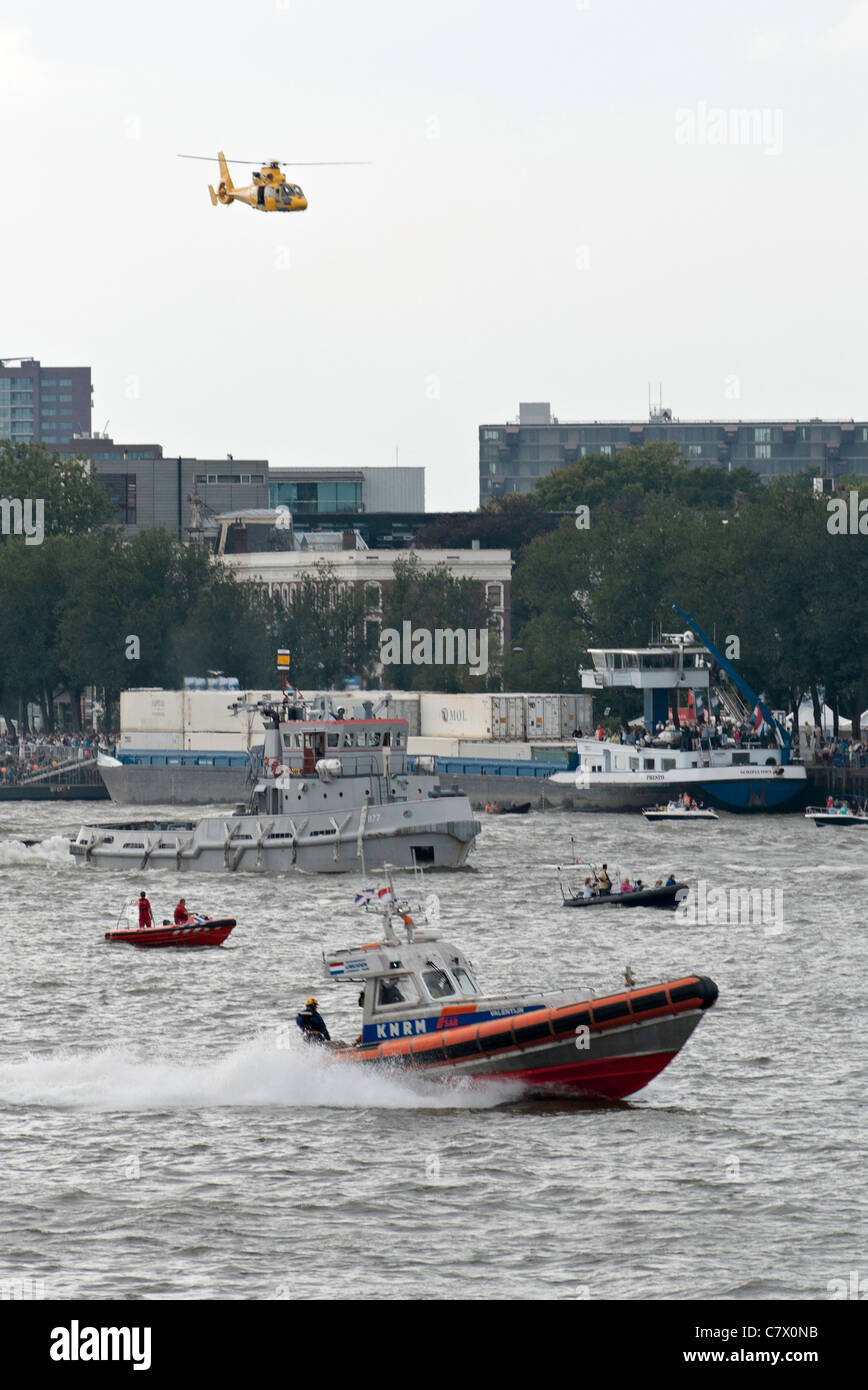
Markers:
{"x": 311, "y": 1023}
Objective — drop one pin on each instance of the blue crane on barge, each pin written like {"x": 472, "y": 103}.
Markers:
{"x": 782, "y": 734}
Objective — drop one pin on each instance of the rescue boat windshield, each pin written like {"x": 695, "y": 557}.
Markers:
{"x": 438, "y": 983}
{"x": 465, "y": 983}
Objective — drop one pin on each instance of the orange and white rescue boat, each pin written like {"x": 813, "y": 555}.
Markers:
{"x": 424, "y": 1010}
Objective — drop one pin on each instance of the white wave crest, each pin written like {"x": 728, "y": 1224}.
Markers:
{"x": 254, "y": 1075}
{"x": 54, "y": 849}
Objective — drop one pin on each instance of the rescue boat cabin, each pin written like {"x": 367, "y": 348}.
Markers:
{"x": 421, "y": 985}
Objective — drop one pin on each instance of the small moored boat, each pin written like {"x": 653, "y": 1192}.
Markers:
{"x": 840, "y": 813}
{"x": 424, "y": 1011}
{"x": 197, "y": 930}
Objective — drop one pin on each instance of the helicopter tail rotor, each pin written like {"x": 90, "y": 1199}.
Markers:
{"x": 225, "y": 187}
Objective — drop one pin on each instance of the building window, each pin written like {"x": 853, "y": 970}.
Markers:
{"x": 762, "y": 451}
{"x": 491, "y": 434}
{"x": 494, "y": 595}
{"x": 307, "y": 498}
{"x": 63, "y": 398}
{"x": 121, "y": 488}
{"x": 695, "y": 451}
{"x": 65, "y": 381}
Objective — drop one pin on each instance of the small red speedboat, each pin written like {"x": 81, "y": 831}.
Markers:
{"x": 197, "y": 930}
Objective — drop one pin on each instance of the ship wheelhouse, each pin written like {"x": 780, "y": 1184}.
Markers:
{"x": 357, "y": 743}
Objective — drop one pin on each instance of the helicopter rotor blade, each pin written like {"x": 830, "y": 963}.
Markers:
{"x": 284, "y": 163}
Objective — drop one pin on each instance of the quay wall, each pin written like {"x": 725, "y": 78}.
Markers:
{"x": 826, "y": 780}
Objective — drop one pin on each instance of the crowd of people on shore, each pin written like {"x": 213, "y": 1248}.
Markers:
{"x": 21, "y": 759}
{"x": 836, "y": 752}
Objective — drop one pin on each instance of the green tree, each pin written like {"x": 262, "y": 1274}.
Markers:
{"x": 432, "y": 598}
{"x": 507, "y": 523}
{"x": 74, "y": 499}
{"x": 625, "y": 479}
{"x": 325, "y": 630}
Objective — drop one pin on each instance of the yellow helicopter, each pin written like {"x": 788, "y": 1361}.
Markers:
{"x": 270, "y": 190}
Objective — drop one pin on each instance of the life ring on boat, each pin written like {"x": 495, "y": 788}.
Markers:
{"x": 276, "y": 767}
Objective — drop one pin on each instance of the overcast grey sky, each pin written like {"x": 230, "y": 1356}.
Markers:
{"x": 563, "y": 205}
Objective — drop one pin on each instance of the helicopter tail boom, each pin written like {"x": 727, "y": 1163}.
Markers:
{"x": 225, "y": 178}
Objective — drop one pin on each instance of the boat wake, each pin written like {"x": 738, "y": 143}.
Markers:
{"x": 54, "y": 849}
{"x": 257, "y": 1074}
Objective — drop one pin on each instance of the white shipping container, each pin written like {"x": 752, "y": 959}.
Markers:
{"x": 578, "y": 713}
{"x": 543, "y": 716}
{"x": 556, "y": 716}
{"x": 150, "y": 741}
{"x": 456, "y": 716}
{"x": 508, "y": 717}
{"x": 405, "y": 709}
{"x": 437, "y": 747}
{"x": 152, "y": 710}
{"x": 211, "y": 742}
{"x": 209, "y": 710}
{"x": 494, "y": 749}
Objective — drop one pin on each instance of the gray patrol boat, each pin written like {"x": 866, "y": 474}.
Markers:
{"x": 337, "y": 794}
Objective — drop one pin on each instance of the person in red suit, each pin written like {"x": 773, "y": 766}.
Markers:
{"x": 146, "y": 917}
{"x": 181, "y": 913}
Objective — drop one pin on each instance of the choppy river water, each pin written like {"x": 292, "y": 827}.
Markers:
{"x": 165, "y": 1135}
